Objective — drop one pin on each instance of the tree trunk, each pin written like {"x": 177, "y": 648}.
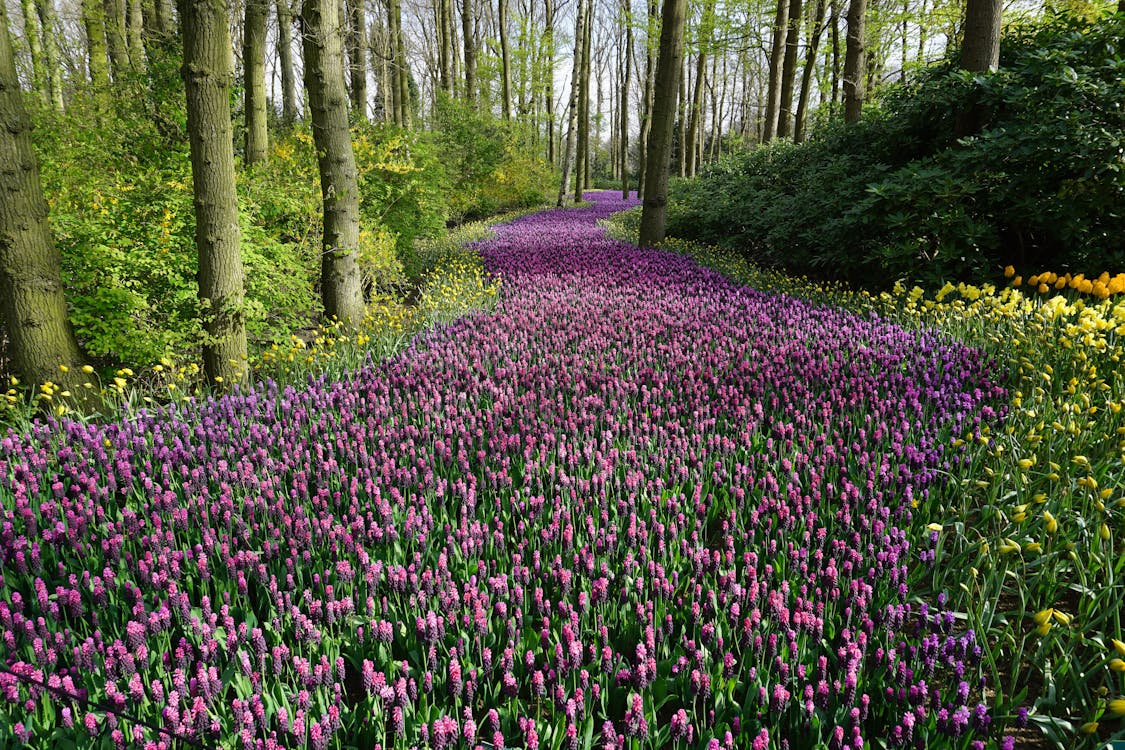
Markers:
{"x": 254, "y": 87}
{"x": 789, "y": 70}
{"x": 681, "y": 161}
{"x": 35, "y": 48}
{"x": 285, "y": 62}
{"x": 207, "y": 74}
{"x": 357, "y": 58}
{"x": 402, "y": 71}
{"x": 380, "y": 63}
{"x": 649, "y": 94}
{"x": 340, "y": 283}
{"x": 707, "y": 22}
{"x": 836, "y": 72}
{"x": 115, "y": 38}
{"x": 32, "y": 303}
{"x": 855, "y": 60}
{"x": 777, "y": 64}
{"x": 135, "y": 34}
{"x": 549, "y": 93}
{"x": 980, "y": 49}
{"x": 505, "y": 60}
{"x": 46, "y": 12}
{"x": 663, "y": 112}
{"x": 469, "y": 39}
{"x": 583, "y": 84}
{"x": 572, "y": 108}
{"x": 627, "y": 68}
{"x": 806, "y": 76}
{"x": 93, "y": 19}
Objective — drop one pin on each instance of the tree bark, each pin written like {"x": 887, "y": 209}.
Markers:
{"x": 254, "y": 88}
{"x": 789, "y": 70}
{"x": 836, "y": 72}
{"x": 572, "y": 108}
{"x": 340, "y": 283}
{"x": 403, "y": 102}
{"x": 855, "y": 61}
{"x": 32, "y": 303}
{"x": 35, "y": 49}
{"x": 777, "y": 64}
{"x": 583, "y": 84}
{"x": 681, "y": 119}
{"x": 115, "y": 38}
{"x": 627, "y": 68}
{"x": 206, "y": 72}
{"x": 135, "y": 34}
{"x": 705, "y": 26}
{"x": 980, "y": 50}
{"x": 93, "y": 19}
{"x": 505, "y": 60}
{"x": 806, "y": 76}
{"x": 357, "y": 58}
{"x": 549, "y": 77}
{"x": 469, "y": 38}
{"x": 285, "y": 61}
{"x": 668, "y": 65}
{"x": 46, "y": 12}
{"x": 649, "y": 94}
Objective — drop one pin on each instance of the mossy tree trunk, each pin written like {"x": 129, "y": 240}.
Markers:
{"x": 254, "y": 87}
{"x": 340, "y": 283}
{"x": 207, "y": 76}
{"x": 115, "y": 11}
{"x": 31, "y": 292}
{"x": 35, "y": 49}
{"x": 93, "y": 20}
{"x": 668, "y": 64}
{"x": 46, "y": 12}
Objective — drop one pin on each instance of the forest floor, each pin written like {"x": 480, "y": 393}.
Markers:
{"x": 636, "y": 501}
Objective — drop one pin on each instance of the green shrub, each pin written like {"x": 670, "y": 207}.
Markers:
{"x": 1039, "y": 183}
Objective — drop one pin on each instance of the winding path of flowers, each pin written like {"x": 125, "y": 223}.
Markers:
{"x": 636, "y": 506}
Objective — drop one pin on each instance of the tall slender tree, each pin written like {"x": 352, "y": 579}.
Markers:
{"x": 572, "y": 108}
{"x": 254, "y": 88}
{"x": 93, "y": 21}
{"x": 341, "y": 287}
{"x": 207, "y": 75}
{"x": 115, "y": 38}
{"x": 668, "y": 66}
{"x": 855, "y": 61}
{"x": 806, "y": 76}
{"x": 35, "y": 49}
{"x": 549, "y": 75}
{"x": 32, "y": 303}
{"x": 505, "y": 59}
{"x": 285, "y": 61}
{"x": 626, "y": 69}
{"x": 46, "y": 12}
{"x": 357, "y": 58}
{"x": 652, "y": 32}
{"x": 706, "y": 25}
{"x": 789, "y": 70}
{"x": 777, "y": 69}
{"x": 469, "y": 38}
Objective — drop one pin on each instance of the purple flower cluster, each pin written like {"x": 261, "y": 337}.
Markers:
{"x": 637, "y": 500}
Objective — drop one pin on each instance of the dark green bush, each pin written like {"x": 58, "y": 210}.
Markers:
{"x": 1039, "y": 182}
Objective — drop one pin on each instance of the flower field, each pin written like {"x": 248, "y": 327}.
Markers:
{"x": 637, "y": 505}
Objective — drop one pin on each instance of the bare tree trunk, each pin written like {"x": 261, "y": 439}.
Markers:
{"x": 663, "y": 111}
{"x": 583, "y": 84}
{"x": 706, "y": 24}
{"x": 341, "y": 287}
{"x": 380, "y": 63}
{"x": 35, "y": 48}
{"x": 115, "y": 37}
{"x": 505, "y": 60}
{"x": 572, "y": 108}
{"x": 207, "y": 74}
{"x": 357, "y": 58}
{"x": 806, "y": 76}
{"x": 681, "y": 162}
{"x": 980, "y": 49}
{"x": 777, "y": 65}
{"x": 46, "y": 12}
{"x": 623, "y": 138}
{"x": 254, "y": 87}
{"x": 789, "y": 70}
{"x": 855, "y": 60}
{"x": 549, "y": 87}
{"x": 93, "y": 19}
{"x": 836, "y": 72}
{"x": 399, "y": 74}
{"x": 285, "y": 61}
{"x": 647, "y": 101}
{"x": 32, "y": 303}
{"x": 135, "y": 34}
{"x": 468, "y": 34}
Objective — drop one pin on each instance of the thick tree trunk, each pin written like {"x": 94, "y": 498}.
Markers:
{"x": 357, "y": 58}
{"x": 777, "y": 65}
{"x": 340, "y": 283}
{"x": 855, "y": 61}
{"x": 505, "y": 60}
{"x": 32, "y": 304}
{"x": 469, "y": 38}
{"x": 285, "y": 61}
{"x": 572, "y": 108}
{"x": 207, "y": 75}
{"x": 663, "y": 112}
{"x": 115, "y": 38}
{"x": 980, "y": 50}
{"x": 254, "y": 64}
{"x": 46, "y": 12}
{"x": 627, "y": 68}
{"x": 93, "y": 19}
{"x": 806, "y": 76}
{"x": 135, "y": 30}
{"x": 789, "y": 70}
